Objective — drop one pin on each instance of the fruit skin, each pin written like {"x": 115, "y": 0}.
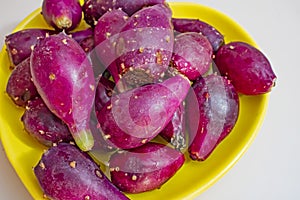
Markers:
{"x": 106, "y": 33}
{"x": 135, "y": 117}
{"x": 195, "y": 25}
{"x": 144, "y": 47}
{"x": 144, "y": 168}
{"x": 212, "y": 108}
{"x": 174, "y": 132}
{"x": 62, "y": 14}
{"x": 64, "y": 78}
{"x": 247, "y": 67}
{"x": 43, "y": 125}
{"x": 104, "y": 92}
{"x": 20, "y": 87}
{"x": 94, "y": 9}
{"x": 65, "y": 172}
{"x": 192, "y": 54}
{"x": 19, "y": 44}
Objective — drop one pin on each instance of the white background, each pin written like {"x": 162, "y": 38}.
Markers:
{"x": 270, "y": 168}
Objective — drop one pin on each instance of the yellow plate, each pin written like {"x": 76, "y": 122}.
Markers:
{"x": 194, "y": 177}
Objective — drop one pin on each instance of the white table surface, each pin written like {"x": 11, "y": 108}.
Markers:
{"x": 270, "y": 168}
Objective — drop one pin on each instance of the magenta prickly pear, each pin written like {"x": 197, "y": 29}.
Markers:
{"x": 62, "y": 14}
{"x": 192, "y": 54}
{"x": 212, "y": 111}
{"x": 247, "y": 67}
{"x": 133, "y": 118}
{"x": 65, "y": 172}
{"x": 106, "y": 33}
{"x": 20, "y": 44}
{"x": 64, "y": 79}
{"x": 43, "y": 125}
{"x": 20, "y": 86}
{"x": 144, "y": 48}
{"x": 195, "y": 25}
{"x": 144, "y": 168}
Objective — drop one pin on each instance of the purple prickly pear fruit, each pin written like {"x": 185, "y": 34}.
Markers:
{"x": 195, "y": 25}
{"x": 43, "y": 125}
{"x": 247, "y": 67}
{"x": 62, "y": 14}
{"x": 20, "y": 44}
{"x": 144, "y": 168}
{"x": 20, "y": 86}
{"x": 135, "y": 117}
{"x": 212, "y": 111}
{"x": 65, "y": 172}
{"x": 65, "y": 80}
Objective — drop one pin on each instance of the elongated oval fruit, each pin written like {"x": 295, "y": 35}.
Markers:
{"x": 20, "y": 87}
{"x": 94, "y": 9}
{"x": 62, "y": 14}
{"x": 212, "y": 111}
{"x": 135, "y": 117}
{"x": 43, "y": 125}
{"x": 20, "y": 44}
{"x": 192, "y": 54}
{"x": 64, "y": 79}
{"x": 106, "y": 33}
{"x": 183, "y": 25}
{"x": 247, "y": 67}
{"x": 144, "y": 168}
{"x": 65, "y": 172}
{"x": 144, "y": 48}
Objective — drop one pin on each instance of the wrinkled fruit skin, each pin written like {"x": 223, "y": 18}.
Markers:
{"x": 247, "y": 67}
{"x": 19, "y": 44}
{"x": 145, "y": 168}
{"x": 20, "y": 87}
{"x": 192, "y": 54}
{"x": 43, "y": 125}
{"x": 64, "y": 172}
{"x": 195, "y": 25}
{"x": 65, "y": 80}
{"x": 132, "y": 118}
{"x": 212, "y": 111}
{"x": 62, "y": 14}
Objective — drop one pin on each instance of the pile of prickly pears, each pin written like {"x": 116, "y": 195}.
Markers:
{"x": 135, "y": 74}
